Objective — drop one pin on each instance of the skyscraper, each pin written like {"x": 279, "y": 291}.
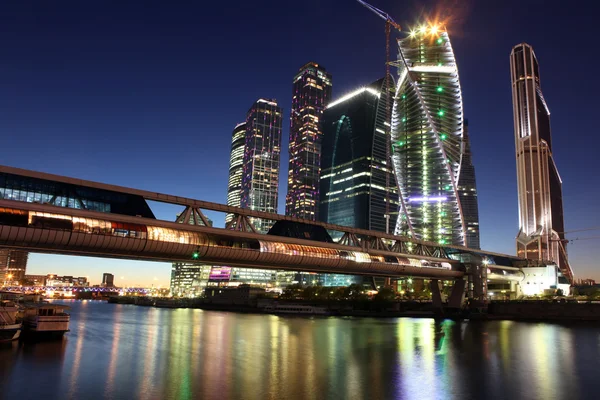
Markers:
{"x": 354, "y": 166}
{"x": 427, "y": 136}
{"x": 467, "y": 192}
{"x": 236, "y": 167}
{"x": 260, "y": 175}
{"x": 108, "y": 280}
{"x": 13, "y": 265}
{"x": 355, "y": 172}
{"x": 541, "y": 221}
{"x": 311, "y": 94}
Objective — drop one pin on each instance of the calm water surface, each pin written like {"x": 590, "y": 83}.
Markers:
{"x": 128, "y": 352}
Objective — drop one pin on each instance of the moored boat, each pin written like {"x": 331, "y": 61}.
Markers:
{"x": 10, "y": 326}
{"x": 44, "y": 319}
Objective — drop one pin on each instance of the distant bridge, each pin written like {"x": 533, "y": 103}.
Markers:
{"x": 76, "y": 289}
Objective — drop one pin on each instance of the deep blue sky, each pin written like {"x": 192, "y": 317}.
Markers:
{"x": 145, "y": 94}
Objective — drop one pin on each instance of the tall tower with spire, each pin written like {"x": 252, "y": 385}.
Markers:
{"x": 541, "y": 220}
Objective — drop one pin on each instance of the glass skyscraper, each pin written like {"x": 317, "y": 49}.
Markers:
{"x": 427, "y": 138}
{"x": 311, "y": 94}
{"x": 236, "y": 167}
{"x": 467, "y": 192}
{"x": 354, "y": 166}
{"x": 355, "y": 173}
{"x": 541, "y": 220}
{"x": 260, "y": 175}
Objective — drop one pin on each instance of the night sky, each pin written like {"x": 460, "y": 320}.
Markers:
{"x": 145, "y": 94}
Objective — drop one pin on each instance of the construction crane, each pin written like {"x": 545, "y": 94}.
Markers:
{"x": 389, "y": 23}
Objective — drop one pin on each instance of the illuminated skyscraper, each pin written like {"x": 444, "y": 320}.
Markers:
{"x": 427, "y": 138}
{"x": 236, "y": 167}
{"x": 355, "y": 172}
{"x": 260, "y": 175}
{"x": 541, "y": 221}
{"x": 353, "y": 179}
{"x": 311, "y": 94}
{"x": 467, "y": 192}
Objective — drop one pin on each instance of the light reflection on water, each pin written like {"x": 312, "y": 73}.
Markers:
{"x": 124, "y": 351}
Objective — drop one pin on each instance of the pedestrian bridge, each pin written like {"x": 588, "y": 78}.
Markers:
{"x": 41, "y": 212}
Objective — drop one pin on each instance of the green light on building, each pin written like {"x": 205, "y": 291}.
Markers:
{"x": 440, "y": 89}
{"x": 195, "y": 255}
{"x": 443, "y": 136}
{"x": 441, "y": 113}
{"x": 440, "y": 41}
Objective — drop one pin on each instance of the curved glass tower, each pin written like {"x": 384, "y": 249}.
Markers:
{"x": 427, "y": 138}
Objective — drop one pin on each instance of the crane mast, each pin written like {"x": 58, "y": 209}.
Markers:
{"x": 389, "y": 22}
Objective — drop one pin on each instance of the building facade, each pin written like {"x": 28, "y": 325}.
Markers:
{"x": 260, "y": 175}
{"x": 310, "y": 95}
{"x": 467, "y": 192}
{"x": 427, "y": 138}
{"x": 108, "y": 280}
{"x": 65, "y": 281}
{"x": 189, "y": 279}
{"x": 356, "y": 180}
{"x": 236, "y": 167}
{"x": 35, "y": 280}
{"x": 541, "y": 220}
{"x": 13, "y": 265}
{"x": 354, "y": 166}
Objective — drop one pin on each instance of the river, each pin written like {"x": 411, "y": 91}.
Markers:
{"x": 128, "y": 352}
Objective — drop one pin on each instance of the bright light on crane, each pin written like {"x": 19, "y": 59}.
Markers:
{"x": 381, "y": 14}
{"x": 434, "y": 29}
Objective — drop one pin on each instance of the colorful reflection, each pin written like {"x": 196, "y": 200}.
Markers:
{"x": 126, "y": 351}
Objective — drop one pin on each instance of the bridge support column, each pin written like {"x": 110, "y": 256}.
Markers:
{"x": 458, "y": 294}
{"x": 477, "y": 286}
{"x": 436, "y": 294}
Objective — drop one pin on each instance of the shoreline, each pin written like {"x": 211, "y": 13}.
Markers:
{"x": 511, "y": 311}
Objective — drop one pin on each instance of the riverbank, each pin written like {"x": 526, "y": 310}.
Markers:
{"x": 360, "y": 308}
{"x": 535, "y": 310}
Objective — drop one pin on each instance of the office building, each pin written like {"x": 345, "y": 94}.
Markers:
{"x": 54, "y": 280}
{"x": 311, "y": 93}
{"x": 467, "y": 192}
{"x": 108, "y": 280}
{"x": 189, "y": 279}
{"x": 356, "y": 181}
{"x": 13, "y": 264}
{"x": 353, "y": 181}
{"x": 427, "y": 138}
{"x": 236, "y": 167}
{"x": 541, "y": 220}
{"x": 260, "y": 175}
{"x": 34, "y": 280}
